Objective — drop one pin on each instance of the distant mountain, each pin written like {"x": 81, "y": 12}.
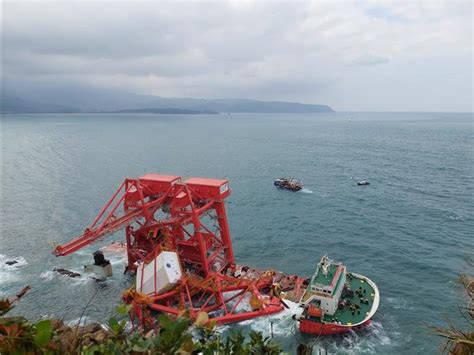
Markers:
{"x": 11, "y": 104}
{"x": 238, "y": 105}
{"x": 165, "y": 111}
{"x": 90, "y": 99}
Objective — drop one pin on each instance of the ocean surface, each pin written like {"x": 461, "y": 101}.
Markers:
{"x": 410, "y": 231}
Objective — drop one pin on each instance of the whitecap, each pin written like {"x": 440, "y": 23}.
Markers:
{"x": 399, "y": 303}
{"x": 453, "y": 216}
{"x": 9, "y": 273}
{"x": 20, "y": 262}
{"x": 368, "y": 341}
{"x": 282, "y": 322}
{"x": 114, "y": 260}
{"x": 306, "y": 191}
{"x": 79, "y": 321}
{"x": 47, "y": 275}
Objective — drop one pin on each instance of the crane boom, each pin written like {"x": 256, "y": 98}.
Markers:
{"x": 161, "y": 213}
{"x": 109, "y": 226}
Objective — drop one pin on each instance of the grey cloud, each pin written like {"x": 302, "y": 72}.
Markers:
{"x": 303, "y": 51}
{"x": 370, "y": 59}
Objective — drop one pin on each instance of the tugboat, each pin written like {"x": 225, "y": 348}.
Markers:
{"x": 337, "y": 301}
{"x": 289, "y": 184}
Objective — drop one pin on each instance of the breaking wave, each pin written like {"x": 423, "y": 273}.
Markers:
{"x": 306, "y": 191}
{"x": 371, "y": 340}
{"x": 47, "y": 275}
{"x": 20, "y": 262}
{"x": 282, "y": 322}
{"x": 79, "y": 321}
{"x": 9, "y": 273}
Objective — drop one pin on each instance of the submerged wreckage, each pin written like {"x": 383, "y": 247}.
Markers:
{"x": 179, "y": 246}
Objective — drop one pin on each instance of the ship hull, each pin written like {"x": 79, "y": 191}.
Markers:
{"x": 315, "y": 328}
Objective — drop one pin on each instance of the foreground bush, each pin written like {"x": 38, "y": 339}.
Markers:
{"x": 461, "y": 341}
{"x": 177, "y": 336}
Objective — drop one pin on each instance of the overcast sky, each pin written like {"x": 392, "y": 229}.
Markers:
{"x": 358, "y": 55}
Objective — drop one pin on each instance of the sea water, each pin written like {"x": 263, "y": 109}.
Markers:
{"x": 409, "y": 231}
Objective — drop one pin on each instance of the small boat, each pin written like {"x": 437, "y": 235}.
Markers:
{"x": 337, "y": 301}
{"x": 363, "y": 183}
{"x": 289, "y": 184}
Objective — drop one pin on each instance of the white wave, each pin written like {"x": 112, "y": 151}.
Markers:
{"x": 9, "y": 273}
{"x": 306, "y": 191}
{"x": 80, "y": 281}
{"x": 118, "y": 260}
{"x": 79, "y": 321}
{"x": 453, "y": 216}
{"x": 283, "y": 322}
{"x": 47, "y": 275}
{"x": 368, "y": 341}
{"x": 399, "y": 303}
{"x": 20, "y": 262}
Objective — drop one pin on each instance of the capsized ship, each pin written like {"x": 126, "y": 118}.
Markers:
{"x": 178, "y": 245}
{"x": 337, "y": 301}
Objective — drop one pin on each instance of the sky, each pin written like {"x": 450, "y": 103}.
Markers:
{"x": 351, "y": 55}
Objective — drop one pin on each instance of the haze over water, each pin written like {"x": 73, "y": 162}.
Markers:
{"x": 409, "y": 231}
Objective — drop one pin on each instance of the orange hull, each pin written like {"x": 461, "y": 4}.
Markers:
{"x": 316, "y": 328}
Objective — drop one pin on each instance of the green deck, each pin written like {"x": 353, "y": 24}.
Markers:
{"x": 324, "y": 280}
{"x": 345, "y": 316}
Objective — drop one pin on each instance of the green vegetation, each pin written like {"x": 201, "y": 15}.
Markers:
{"x": 461, "y": 341}
{"x": 169, "y": 336}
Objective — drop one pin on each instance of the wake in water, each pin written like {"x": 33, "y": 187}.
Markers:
{"x": 306, "y": 191}
{"x": 369, "y": 341}
{"x": 285, "y": 331}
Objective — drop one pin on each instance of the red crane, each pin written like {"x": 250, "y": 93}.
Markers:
{"x": 163, "y": 213}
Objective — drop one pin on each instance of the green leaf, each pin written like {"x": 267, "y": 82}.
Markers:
{"x": 44, "y": 331}
{"x": 113, "y": 324}
{"x": 167, "y": 337}
{"x": 165, "y": 322}
{"x": 123, "y": 309}
{"x": 181, "y": 325}
{"x": 123, "y": 324}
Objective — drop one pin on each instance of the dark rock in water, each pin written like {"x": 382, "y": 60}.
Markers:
{"x": 96, "y": 279}
{"x": 11, "y": 262}
{"x": 363, "y": 182}
{"x": 67, "y": 272}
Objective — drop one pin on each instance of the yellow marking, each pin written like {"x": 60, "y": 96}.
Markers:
{"x": 362, "y": 281}
{"x": 372, "y": 294}
{"x": 349, "y": 323}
